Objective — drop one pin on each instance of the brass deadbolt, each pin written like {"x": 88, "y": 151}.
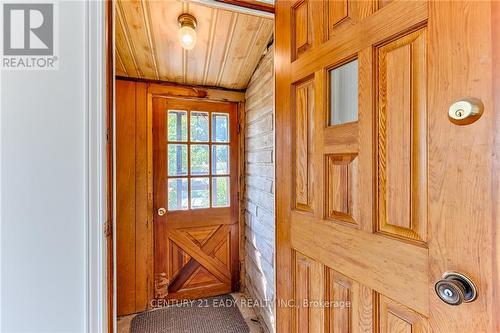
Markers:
{"x": 465, "y": 111}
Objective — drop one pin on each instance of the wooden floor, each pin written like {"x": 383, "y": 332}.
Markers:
{"x": 123, "y": 325}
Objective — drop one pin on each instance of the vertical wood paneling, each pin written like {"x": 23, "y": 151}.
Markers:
{"x": 125, "y": 197}
{"x": 143, "y": 227}
{"x": 133, "y": 228}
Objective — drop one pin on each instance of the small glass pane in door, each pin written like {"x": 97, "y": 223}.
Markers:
{"x": 220, "y": 159}
{"x": 199, "y": 126}
{"x": 199, "y": 160}
{"x": 220, "y": 127}
{"x": 177, "y": 126}
{"x": 220, "y": 191}
{"x": 177, "y": 160}
{"x": 344, "y": 93}
{"x": 200, "y": 193}
{"x": 177, "y": 193}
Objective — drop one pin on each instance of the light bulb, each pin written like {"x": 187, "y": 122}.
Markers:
{"x": 187, "y": 39}
{"x": 187, "y": 34}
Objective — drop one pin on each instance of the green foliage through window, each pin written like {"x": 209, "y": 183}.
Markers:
{"x": 177, "y": 125}
{"x": 185, "y": 188}
{"x": 199, "y": 126}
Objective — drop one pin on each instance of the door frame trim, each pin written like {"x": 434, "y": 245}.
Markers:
{"x": 495, "y": 8}
{"x": 96, "y": 165}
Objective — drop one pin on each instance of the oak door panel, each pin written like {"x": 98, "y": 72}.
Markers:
{"x": 394, "y": 317}
{"x": 374, "y": 211}
{"x": 402, "y": 133}
{"x": 306, "y": 33}
{"x": 304, "y": 113}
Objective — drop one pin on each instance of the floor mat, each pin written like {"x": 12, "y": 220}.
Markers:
{"x": 218, "y": 314}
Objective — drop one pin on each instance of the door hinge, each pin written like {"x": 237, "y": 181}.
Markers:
{"x": 108, "y": 135}
{"x": 108, "y": 228}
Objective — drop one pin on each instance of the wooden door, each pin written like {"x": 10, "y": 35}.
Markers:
{"x": 195, "y": 153}
{"x": 378, "y": 192}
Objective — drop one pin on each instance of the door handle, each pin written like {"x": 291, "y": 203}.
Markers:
{"x": 161, "y": 211}
{"x": 455, "y": 288}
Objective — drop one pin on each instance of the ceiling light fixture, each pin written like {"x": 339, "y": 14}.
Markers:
{"x": 187, "y": 31}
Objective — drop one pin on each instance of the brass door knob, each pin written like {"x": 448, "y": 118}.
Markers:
{"x": 162, "y": 211}
{"x": 455, "y": 288}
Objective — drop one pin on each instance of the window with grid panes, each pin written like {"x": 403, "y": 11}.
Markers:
{"x": 198, "y": 164}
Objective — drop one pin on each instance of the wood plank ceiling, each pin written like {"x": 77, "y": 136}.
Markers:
{"x": 228, "y": 48}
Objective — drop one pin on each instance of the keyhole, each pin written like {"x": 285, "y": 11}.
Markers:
{"x": 448, "y": 292}
{"x": 459, "y": 113}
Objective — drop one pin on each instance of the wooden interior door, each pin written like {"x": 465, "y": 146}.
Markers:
{"x": 378, "y": 192}
{"x": 195, "y": 153}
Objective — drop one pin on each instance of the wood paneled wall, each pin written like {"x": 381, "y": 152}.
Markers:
{"x": 133, "y": 229}
{"x": 259, "y": 189}
{"x": 134, "y": 180}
